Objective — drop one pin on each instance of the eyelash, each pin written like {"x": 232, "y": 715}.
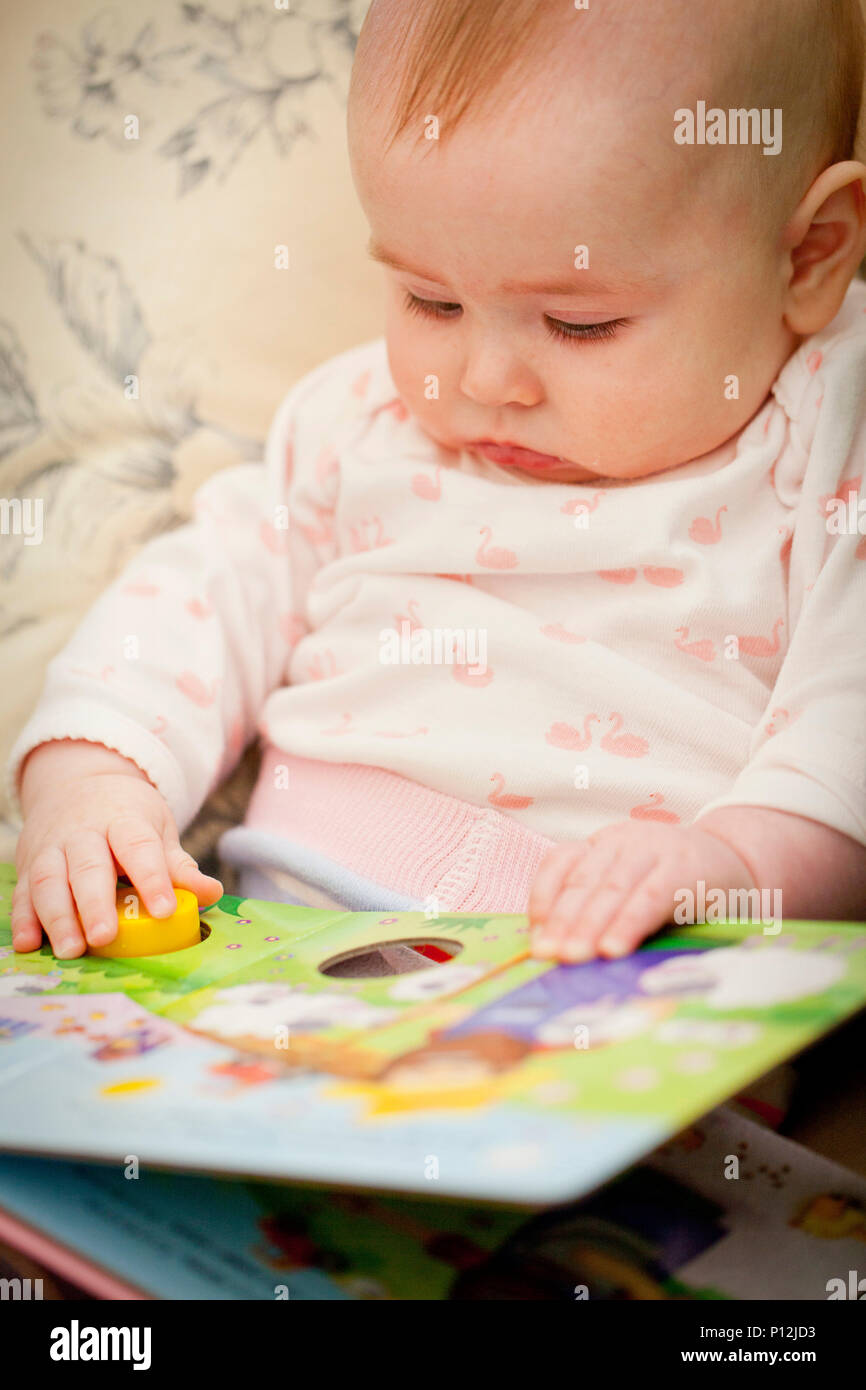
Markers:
{"x": 571, "y": 332}
{"x": 586, "y": 332}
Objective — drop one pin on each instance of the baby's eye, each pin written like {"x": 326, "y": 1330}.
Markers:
{"x": 586, "y": 332}
{"x": 583, "y": 331}
{"x": 430, "y": 308}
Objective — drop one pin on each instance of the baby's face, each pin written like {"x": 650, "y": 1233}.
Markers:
{"x": 618, "y": 370}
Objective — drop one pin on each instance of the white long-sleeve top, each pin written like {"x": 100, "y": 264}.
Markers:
{"x": 653, "y": 648}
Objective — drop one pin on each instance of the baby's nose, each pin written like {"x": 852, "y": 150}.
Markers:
{"x": 493, "y": 376}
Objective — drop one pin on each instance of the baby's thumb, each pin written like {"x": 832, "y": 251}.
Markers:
{"x": 185, "y": 873}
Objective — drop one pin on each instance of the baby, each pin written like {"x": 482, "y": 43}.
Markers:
{"x": 552, "y": 600}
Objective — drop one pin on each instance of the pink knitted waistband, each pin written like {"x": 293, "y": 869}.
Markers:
{"x": 397, "y": 833}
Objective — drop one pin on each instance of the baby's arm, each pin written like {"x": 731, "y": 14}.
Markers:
{"x": 151, "y": 703}
{"x": 611, "y": 891}
{"x": 148, "y": 707}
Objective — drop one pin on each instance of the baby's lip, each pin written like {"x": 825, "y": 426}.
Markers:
{"x": 506, "y": 453}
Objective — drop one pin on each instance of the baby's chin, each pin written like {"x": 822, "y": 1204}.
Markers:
{"x": 559, "y": 471}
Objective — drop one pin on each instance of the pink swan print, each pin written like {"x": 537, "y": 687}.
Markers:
{"x": 813, "y": 362}
{"x": 846, "y": 490}
{"x": 704, "y": 650}
{"x": 160, "y": 726}
{"x": 860, "y": 552}
{"x": 458, "y": 578}
{"x": 664, "y": 577}
{"x": 360, "y": 384}
{"x": 566, "y": 736}
{"x": 621, "y": 576}
{"x": 494, "y": 557}
{"x": 653, "y": 811}
{"x": 322, "y": 531}
{"x": 369, "y": 535}
{"x": 141, "y": 589}
{"x": 762, "y": 646}
{"x": 507, "y": 800}
{"x": 411, "y": 618}
{"x": 199, "y": 609}
{"x": 469, "y": 675}
{"x": 194, "y": 688}
{"x": 623, "y": 745}
{"x": 705, "y": 531}
{"x": 344, "y": 727}
{"x": 322, "y": 666}
{"x": 577, "y": 505}
{"x": 277, "y": 542}
{"x": 557, "y": 633}
{"x": 779, "y": 719}
{"x": 425, "y": 486}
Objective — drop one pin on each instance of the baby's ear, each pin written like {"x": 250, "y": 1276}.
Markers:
{"x": 825, "y": 241}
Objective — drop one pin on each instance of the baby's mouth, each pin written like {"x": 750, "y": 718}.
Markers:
{"x": 509, "y": 454}
{"x": 515, "y": 456}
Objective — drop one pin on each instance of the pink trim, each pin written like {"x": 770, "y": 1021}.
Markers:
{"x": 387, "y": 829}
{"x": 64, "y": 1262}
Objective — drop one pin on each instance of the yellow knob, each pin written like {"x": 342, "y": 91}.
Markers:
{"x": 139, "y": 934}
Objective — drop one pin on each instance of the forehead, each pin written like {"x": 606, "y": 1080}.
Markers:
{"x": 510, "y": 195}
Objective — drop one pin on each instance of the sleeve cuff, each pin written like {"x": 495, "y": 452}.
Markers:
{"x": 800, "y": 794}
{"x": 81, "y": 720}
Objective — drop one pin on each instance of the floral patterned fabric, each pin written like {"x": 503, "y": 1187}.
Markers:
{"x": 181, "y": 241}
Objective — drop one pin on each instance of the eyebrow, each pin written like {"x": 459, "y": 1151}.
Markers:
{"x": 581, "y": 283}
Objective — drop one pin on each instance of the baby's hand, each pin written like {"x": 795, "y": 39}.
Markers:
{"x": 88, "y": 810}
{"x": 607, "y": 893}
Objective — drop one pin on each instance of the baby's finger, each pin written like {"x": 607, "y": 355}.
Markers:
{"x": 26, "y": 927}
{"x": 611, "y": 896}
{"x": 550, "y": 877}
{"x": 185, "y": 873}
{"x": 93, "y": 881}
{"x": 550, "y": 940}
{"x": 648, "y": 909}
{"x": 52, "y": 901}
{"x": 140, "y": 851}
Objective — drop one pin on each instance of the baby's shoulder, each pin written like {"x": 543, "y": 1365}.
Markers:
{"x": 826, "y": 364}
{"x": 321, "y": 412}
{"x": 822, "y": 392}
{"x": 352, "y": 384}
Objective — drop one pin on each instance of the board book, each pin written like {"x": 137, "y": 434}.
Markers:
{"x": 725, "y": 1210}
{"x": 399, "y": 1052}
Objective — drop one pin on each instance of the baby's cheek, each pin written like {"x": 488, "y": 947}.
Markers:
{"x": 422, "y": 379}
{"x": 406, "y": 357}
{"x": 659, "y": 411}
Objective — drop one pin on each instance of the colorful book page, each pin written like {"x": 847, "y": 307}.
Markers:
{"x": 280, "y": 1048}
